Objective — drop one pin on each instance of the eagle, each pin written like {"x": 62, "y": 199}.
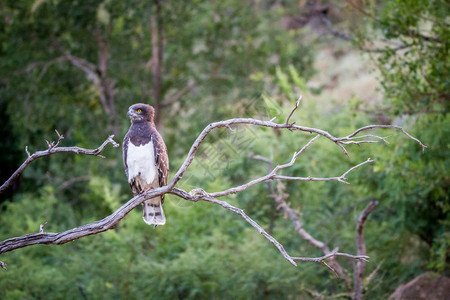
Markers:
{"x": 145, "y": 160}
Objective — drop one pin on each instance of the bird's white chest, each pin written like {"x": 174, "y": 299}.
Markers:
{"x": 141, "y": 161}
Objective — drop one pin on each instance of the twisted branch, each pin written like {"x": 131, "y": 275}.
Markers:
{"x": 53, "y": 147}
{"x": 195, "y": 195}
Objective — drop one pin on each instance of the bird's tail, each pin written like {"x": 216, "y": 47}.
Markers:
{"x": 153, "y": 212}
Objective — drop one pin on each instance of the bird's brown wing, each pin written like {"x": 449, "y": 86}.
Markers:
{"x": 126, "y": 139}
{"x": 161, "y": 159}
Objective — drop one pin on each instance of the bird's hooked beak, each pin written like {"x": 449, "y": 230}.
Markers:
{"x": 131, "y": 113}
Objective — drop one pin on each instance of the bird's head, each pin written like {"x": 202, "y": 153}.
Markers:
{"x": 141, "y": 112}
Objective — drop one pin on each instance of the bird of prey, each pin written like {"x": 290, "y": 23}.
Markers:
{"x": 146, "y": 161}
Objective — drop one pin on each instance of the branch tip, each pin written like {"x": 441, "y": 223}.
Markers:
{"x": 112, "y": 141}
{"x": 343, "y": 148}
{"x": 329, "y": 267}
{"x": 53, "y": 148}
{"x": 41, "y": 227}
{"x": 60, "y": 136}
{"x": 292, "y": 111}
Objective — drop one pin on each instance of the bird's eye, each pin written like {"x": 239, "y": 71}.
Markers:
{"x": 139, "y": 111}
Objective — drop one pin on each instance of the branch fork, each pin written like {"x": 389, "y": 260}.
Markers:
{"x": 293, "y": 110}
{"x": 199, "y": 194}
{"x": 53, "y": 147}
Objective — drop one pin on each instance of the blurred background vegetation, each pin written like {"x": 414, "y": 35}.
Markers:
{"x": 76, "y": 66}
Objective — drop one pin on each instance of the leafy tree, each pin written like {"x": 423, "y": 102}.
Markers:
{"x": 414, "y": 65}
{"x": 414, "y": 60}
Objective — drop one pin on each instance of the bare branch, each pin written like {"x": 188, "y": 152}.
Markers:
{"x": 195, "y": 195}
{"x": 293, "y": 110}
{"x": 111, "y": 220}
{"x": 348, "y": 137}
{"x": 82, "y": 231}
{"x": 377, "y": 139}
{"x": 60, "y": 137}
{"x": 270, "y": 176}
{"x": 84, "y": 65}
{"x": 261, "y": 158}
{"x": 281, "y": 203}
{"x": 331, "y": 254}
{"x": 361, "y": 249}
{"x": 372, "y": 275}
{"x": 206, "y": 197}
{"x": 41, "y": 227}
{"x": 270, "y": 124}
{"x": 340, "y": 178}
{"x": 28, "y": 152}
{"x": 359, "y": 142}
{"x": 357, "y": 166}
{"x": 53, "y": 148}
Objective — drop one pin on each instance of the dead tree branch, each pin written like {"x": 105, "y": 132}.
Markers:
{"x": 201, "y": 195}
{"x": 249, "y": 121}
{"x": 293, "y": 110}
{"x": 197, "y": 194}
{"x": 53, "y": 147}
{"x": 361, "y": 249}
{"x": 279, "y": 199}
{"x": 78, "y": 232}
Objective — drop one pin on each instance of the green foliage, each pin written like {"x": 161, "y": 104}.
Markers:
{"x": 416, "y": 82}
{"x": 423, "y": 204}
{"x": 415, "y": 76}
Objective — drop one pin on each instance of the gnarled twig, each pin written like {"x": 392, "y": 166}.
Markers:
{"x": 53, "y": 147}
